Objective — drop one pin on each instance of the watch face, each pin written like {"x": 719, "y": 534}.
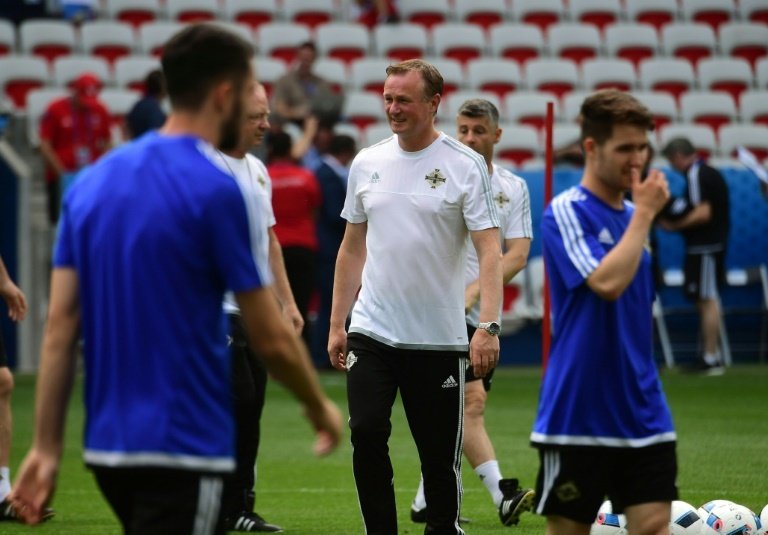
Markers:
{"x": 494, "y": 328}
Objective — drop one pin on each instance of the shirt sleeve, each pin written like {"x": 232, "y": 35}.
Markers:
{"x": 63, "y": 248}
{"x": 479, "y": 208}
{"x": 353, "y": 210}
{"x": 519, "y": 223}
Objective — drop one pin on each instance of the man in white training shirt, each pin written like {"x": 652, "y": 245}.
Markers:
{"x": 477, "y": 125}
{"x": 412, "y": 200}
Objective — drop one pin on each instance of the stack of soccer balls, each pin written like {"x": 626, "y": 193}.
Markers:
{"x": 717, "y": 517}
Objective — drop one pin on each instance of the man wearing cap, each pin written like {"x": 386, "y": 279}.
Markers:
{"x": 702, "y": 216}
{"x": 74, "y": 132}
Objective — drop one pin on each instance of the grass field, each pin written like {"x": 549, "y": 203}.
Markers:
{"x": 722, "y": 425}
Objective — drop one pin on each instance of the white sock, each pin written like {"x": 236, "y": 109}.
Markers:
{"x": 419, "y": 502}
{"x": 490, "y": 475}
{"x": 711, "y": 359}
{"x": 5, "y": 482}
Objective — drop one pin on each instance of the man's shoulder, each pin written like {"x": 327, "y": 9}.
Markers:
{"x": 509, "y": 180}
{"x": 460, "y": 153}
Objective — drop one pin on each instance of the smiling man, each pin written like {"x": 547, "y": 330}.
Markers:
{"x": 411, "y": 202}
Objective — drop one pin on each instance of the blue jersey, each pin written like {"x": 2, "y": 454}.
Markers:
{"x": 601, "y": 387}
{"x": 157, "y": 233}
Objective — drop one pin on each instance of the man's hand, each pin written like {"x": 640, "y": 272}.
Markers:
{"x": 651, "y": 194}
{"x": 483, "y": 352}
{"x": 327, "y": 423}
{"x": 14, "y": 298}
{"x": 293, "y": 317}
{"x": 34, "y": 486}
{"x": 337, "y": 348}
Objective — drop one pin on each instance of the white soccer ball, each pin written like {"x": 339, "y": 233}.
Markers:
{"x": 608, "y": 523}
{"x": 685, "y": 519}
{"x": 764, "y": 518}
{"x": 731, "y": 519}
{"x": 707, "y": 507}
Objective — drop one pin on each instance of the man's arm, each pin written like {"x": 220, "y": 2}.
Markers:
{"x": 50, "y": 158}
{"x": 287, "y": 360}
{"x": 282, "y": 286}
{"x": 484, "y": 348}
{"x": 347, "y": 279}
{"x": 701, "y": 214}
{"x": 512, "y": 262}
{"x": 13, "y": 296}
{"x": 36, "y": 480}
{"x": 617, "y": 269}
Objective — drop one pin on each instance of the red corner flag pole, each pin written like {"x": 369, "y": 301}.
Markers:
{"x": 546, "y": 328}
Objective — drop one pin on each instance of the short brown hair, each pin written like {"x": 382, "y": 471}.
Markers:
{"x": 604, "y": 109}
{"x": 433, "y": 80}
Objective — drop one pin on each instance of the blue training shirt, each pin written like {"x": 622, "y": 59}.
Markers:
{"x": 157, "y": 233}
{"x": 601, "y": 387}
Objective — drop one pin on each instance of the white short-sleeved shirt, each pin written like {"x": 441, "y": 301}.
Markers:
{"x": 254, "y": 181}
{"x": 419, "y": 207}
{"x": 513, "y": 204}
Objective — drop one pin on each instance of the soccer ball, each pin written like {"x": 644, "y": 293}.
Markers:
{"x": 608, "y": 523}
{"x": 707, "y": 507}
{"x": 731, "y": 519}
{"x": 685, "y": 519}
{"x": 764, "y": 519}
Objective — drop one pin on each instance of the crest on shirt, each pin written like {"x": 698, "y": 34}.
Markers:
{"x": 351, "y": 359}
{"x": 501, "y": 199}
{"x": 260, "y": 179}
{"x": 435, "y": 179}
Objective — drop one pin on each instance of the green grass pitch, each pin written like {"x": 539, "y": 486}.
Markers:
{"x": 722, "y": 425}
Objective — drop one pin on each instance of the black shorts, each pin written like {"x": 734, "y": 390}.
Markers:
{"x": 469, "y": 376}
{"x": 574, "y": 481}
{"x": 703, "y": 274}
{"x": 162, "y": 501}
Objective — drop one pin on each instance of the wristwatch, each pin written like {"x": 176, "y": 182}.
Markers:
{"x": 491, "y": 327}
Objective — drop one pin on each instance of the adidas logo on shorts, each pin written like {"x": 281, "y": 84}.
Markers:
{"x": 450, "y": 382}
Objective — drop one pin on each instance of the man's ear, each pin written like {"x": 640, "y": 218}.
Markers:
{"x": 588, "y": 146}
{"x": 436, "y": 99}
{"x": 222, "y": 96}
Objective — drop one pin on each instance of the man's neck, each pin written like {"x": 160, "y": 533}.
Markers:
{"x": 182, "y": 123}
{"x": 610, "y": 196}
{"x": 418, "y": 143}
{"x": 237, "y": 154}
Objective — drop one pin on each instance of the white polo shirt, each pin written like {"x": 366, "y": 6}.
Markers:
{"x": 513, "y": 204}
{"x": 419, "y": 207}
{"x": 252, "y": 177}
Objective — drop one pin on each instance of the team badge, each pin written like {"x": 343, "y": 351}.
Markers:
{"x": 501, "y": 199}
{"x": 261, "y": 181}
{"x": 351, "y": 359}
{"x": 435, "y": 179}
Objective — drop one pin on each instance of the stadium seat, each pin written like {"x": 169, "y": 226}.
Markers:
{"x": 459, "y": 41}
{"x": 599, "y": 13}
{"x": 153, "y": 35}
{"x": 542, "y": 13}
{"x": 192, "y": 10}
{"x": 134, "y": 12}
{"x": 448, "y": 109}
{"x": 268, "y": 71}
{"x": 362, "y": 109}
{"x": 750, "y": 136}
{"x": 672, "y": 75}
{"x": 713, "y": 109}
{"x": 348, "y": 129}
{"x": 691, "y": 41}
{"x": 725, "y": 74}
{"x": 576, "y": 42}
{"x": 657, "y": 13}
{"x": 710, "y": 12}
{"x": 761, "y": 73}
{"x": 571, "y": 107}
{"x": 564, "y": 134}
{"x": 744, "y": 40}
{"x": 21, "y": 74}
{"x": 633, "y": 42}
{"x": 484, "y": 13}
{"x": 281, "y": 39}
{"x": 311, "y": 13}
{"x": 500, "y": 76}
{"x": 701, "y": 136}
{"x": 558, "y": 76}
{"x": 454, "y": 78}
{"x": 754, "y": 107}
{"x": 661, "y": 104}
{"x": 377, "y": 132}
{"x": 368, "y": 74}
{"x": 333, "y": 71}
{"x": 252, "y": 13}
{"x": 518, "y": 42}
{"x": 107, "y": 39}
{"x": 518, "y": 143}
{"x": 426, "y": 13}
{"x": 38, "y": 101}
{"x": 529, "y": 108}
{"x": 243, "y": 30}
{"x": 346, "y": 41}
{"x": 130, "y": 71}
{"x": 118, "y": 103}
{"x": 753, "y": 11}
{"x": 67, "y": 68}
{"x": 47, "y": 38}
{"x": 7, "y": 37}
{"x": 400, "y": 41}
{"x": 603, "y": 73}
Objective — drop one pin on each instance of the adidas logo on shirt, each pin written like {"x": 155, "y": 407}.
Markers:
{"x": 605, "y": 237}
{"x": 450, "y": 382}
{"x": 375, "y": 178}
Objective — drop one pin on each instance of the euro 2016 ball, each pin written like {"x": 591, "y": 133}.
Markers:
{"x": 764, "y": 518}
{"x": 731, "y": 519}
{"x": 607, "y": 522}
{"x": 685, "y": 519}
{"x": 707, "y": 507}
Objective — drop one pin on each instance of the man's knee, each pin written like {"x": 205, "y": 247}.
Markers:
{"x": 475, "y": 397}
{"x": 6, "y": 383}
